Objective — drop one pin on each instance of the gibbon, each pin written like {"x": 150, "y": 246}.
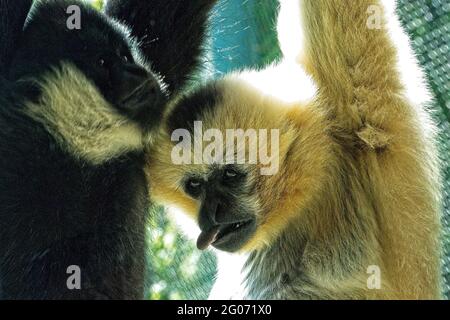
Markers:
{"x": 353, "y": 209}
{"x": 77, "y": 108}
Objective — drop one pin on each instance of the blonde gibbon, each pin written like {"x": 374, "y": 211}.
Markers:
{"x": 351, "y": 210}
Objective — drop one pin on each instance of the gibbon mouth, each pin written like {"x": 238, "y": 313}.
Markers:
{"x": 227, "y": 237}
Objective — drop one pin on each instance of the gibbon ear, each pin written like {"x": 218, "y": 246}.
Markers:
{"x": 13, "y": 14}
{"x": 170, "y": 33}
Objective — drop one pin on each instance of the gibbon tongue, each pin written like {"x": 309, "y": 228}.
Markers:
{"x": 206, "y": 238}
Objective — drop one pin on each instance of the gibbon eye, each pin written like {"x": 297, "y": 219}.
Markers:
{"x": 102, "y": 62}
{"x": 193, "y": 186}
{"x": 125, "y": 58}
{"x": 230, "y": 173}
{"x": 194, "y": 183}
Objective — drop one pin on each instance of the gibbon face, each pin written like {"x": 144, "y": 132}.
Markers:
{"x": 238, "y": 206}
{"x": 95, "y": 92}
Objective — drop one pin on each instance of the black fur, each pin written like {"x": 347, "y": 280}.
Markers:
{"x": 177, "y": 27}
{"x": 12, "y": 18}
{"x": 192, "y": 107}
{"x": 55, "y": 210}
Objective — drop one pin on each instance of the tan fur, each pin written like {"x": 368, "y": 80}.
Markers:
{"x": 359, "y": 169}
{"x": 77, "y": 115}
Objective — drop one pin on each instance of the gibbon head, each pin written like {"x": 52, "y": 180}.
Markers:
{"x": 239, "y": 204}
{"x": 88, "y": 85}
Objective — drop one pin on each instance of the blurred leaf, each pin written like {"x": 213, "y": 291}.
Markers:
{"x": 98, "y": 4}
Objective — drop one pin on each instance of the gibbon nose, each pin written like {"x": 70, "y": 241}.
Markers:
{"x": 207, "y": 214}
{"x": 139, "y": 89}
{"x": 215, "y": 212}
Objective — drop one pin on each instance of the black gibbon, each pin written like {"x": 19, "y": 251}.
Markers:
{"x": 352, "y": 211}
{"x": 77, "y": 108}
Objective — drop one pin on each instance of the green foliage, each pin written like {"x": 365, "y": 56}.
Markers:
{"x": 98, "y": 4}
{"x": 177, "y": 269}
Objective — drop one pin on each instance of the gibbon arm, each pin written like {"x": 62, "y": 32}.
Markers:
{"x": 352, "y": 57}
{"x": 369, "y": 82}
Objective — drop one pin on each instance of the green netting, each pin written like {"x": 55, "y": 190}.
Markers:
{"x": 428, "y": 23}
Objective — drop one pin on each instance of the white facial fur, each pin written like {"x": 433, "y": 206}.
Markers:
{"x": 81, "y": 120}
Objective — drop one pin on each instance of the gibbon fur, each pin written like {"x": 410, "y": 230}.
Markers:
{"x": 359, "y": 181}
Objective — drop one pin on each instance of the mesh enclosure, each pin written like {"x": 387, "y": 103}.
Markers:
{"x": 428, "y": 23}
